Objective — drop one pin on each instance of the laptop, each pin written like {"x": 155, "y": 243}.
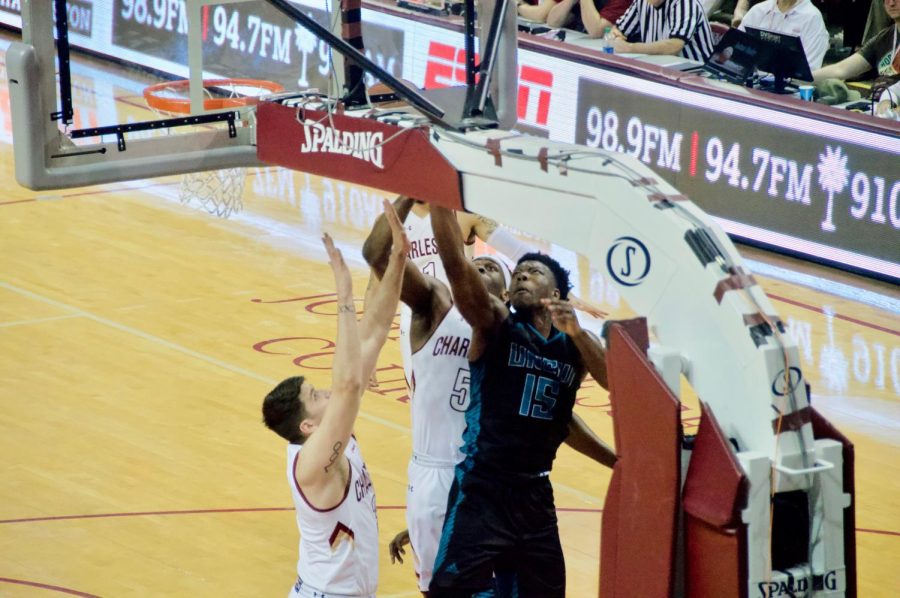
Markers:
{"x": 735, "y": 57}
{"x": 784, "y": 58}
{"x": 679, "y": 63}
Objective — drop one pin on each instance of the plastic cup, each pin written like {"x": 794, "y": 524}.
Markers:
{"x": 806, "y": 92}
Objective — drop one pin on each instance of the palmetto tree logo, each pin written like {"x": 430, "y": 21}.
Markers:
{"x": 833, "y": 177}
{"x": 306, "y": 43}
{"x": 833, "y": 364}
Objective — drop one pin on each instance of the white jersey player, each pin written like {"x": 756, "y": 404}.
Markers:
{"x": 423, "y": 254}
{"x": 338, "y": 546}
{"x": 439, "y": 384}
{"x": 332, "y": 492}
{"x": 440, "y": 396}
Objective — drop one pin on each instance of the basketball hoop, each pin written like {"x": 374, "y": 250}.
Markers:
{"x": 217, "y": 191}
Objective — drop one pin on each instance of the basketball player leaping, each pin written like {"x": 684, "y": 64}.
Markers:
{"x": 423, "y": 253}
{"x": 526, "y": 368}
{"x": 439, "y": 339}
{"x": 338, "y": 528}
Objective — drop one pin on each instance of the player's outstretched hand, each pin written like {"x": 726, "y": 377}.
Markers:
{"x": 398, "y": 233}
{"x": 563, "y": 315}
{"x": 343, "y": 282}
{"x": 587, "y": 307}
{"x": 396, "y": 546}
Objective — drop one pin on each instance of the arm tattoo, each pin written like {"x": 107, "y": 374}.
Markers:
{"x": 335, "y": 451}
{"x": 346, "y": 307}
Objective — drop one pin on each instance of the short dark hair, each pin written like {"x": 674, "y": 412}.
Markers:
{"x": 559, "y": 273}
{"x": 283, "y": 410}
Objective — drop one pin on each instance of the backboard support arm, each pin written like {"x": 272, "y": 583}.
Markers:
{"x": 65, "y": 74}
{"x": 429, "y": 108}
{"x": 478, "y": 100}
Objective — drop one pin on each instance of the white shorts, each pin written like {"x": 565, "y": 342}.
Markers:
{"x": 426, "y": 506}
{"x": 304, "y": 590}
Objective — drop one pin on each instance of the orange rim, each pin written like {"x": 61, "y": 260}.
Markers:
{"x": 183, "y": 105}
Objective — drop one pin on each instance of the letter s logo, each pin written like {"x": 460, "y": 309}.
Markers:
{"x": 781, "y": 387}
{"x": 628, "y": 261}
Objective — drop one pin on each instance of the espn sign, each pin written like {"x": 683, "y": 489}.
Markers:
{"x": 446, "y": 67}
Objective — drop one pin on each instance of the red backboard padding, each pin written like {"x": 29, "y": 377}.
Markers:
{"x": 394, "y": 159}
{"x": 720, "y": 570}
{"x": 715, "y": 489}
{"x": 640, "y": 517}
{"x": 715, "y": 493}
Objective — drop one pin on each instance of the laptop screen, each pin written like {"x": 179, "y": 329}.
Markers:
{"x": 785, "y": 56}
{"x": 734, "y": 57}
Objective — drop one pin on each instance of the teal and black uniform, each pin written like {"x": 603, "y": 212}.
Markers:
{"x": 500, "y": 513}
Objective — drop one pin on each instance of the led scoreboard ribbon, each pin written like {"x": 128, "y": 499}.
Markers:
{"x": 244, "y": 37}
{"x": 839, "y": 194}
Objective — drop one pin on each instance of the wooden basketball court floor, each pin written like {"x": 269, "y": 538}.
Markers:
{"x": 139, "y": 336}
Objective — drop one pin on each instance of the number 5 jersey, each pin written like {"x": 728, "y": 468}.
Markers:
{"x": 440, "y": 391}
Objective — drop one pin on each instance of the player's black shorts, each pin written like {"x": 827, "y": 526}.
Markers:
{"x": 499, "y": 525}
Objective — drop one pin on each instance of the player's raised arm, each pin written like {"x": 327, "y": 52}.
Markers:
{"x": 585, "y": 441}
{"x": 503, "y": 240}
{"x": 377, "y": 246}
{"x": 417, "y": 290}
{"x": 383, "y": 302}
{"x": 481, "y": 310}
{"x": 322, "y": 458}
{"x": 592, "y": 352}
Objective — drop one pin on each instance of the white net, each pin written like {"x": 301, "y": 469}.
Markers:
{"x": 218, "y": 192}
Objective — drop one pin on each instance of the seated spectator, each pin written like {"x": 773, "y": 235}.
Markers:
{"x": 877, "y": 21}
{"x": 535, "y": 12}
{"x": 878, "y": 57}
{"x": 792, "y": 17}
{"x": 676, "y": 27}
{"x": 888, "y": 99}
{"x": 711, "y": 6}
{"x": 594, "y": 16}
{"x": 740, "y": 11}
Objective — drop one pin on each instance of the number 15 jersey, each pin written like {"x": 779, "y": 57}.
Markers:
{"x": 440, "y": 391}
{"x": 523, "y": 392}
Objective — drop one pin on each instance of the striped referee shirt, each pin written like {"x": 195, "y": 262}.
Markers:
{"x": 682, "y": 19}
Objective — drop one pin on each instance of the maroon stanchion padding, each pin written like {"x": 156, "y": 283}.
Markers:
{"x": 360, "y": 150}
{"x": 640, "y": 516}
{"x": 822, "y": 428}
{"x": 715, "y": 493}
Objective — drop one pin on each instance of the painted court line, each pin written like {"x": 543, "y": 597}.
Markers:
{"x": 832, "y": 287}
{"x": 139, "y": 333}
{"x": 852, "y": 320}
{"x": 38, "y": 320}
{"x": 590, "y": 499}
{"x": 140, "y": 187}
{"x": 212, "y": 512}
{"x": 880, "y": 532}
{"x": 230, "y": 367}
{"x": 45, "y": 586}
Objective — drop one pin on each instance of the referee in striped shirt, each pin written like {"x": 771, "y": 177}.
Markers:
{"x": 676, "y": 27}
